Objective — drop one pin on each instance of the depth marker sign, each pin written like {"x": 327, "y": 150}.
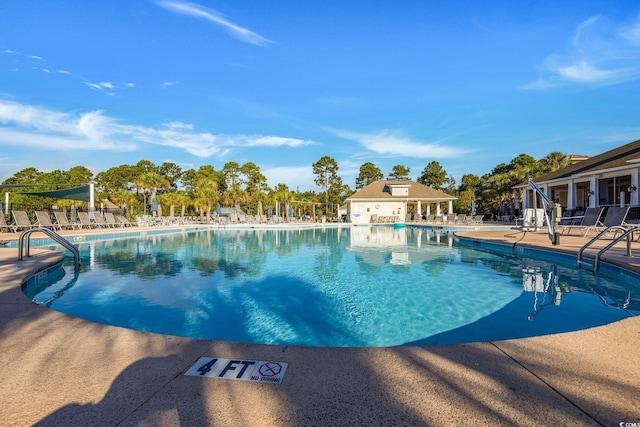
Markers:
{"x": 263, "y": 371}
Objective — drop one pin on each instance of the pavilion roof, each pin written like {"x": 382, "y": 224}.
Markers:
{"x": 381, "y": 190}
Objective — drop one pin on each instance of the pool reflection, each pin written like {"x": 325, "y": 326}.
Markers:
{"x": 302, "y": 287}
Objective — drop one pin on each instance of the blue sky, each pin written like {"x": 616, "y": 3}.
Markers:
{"x": 282, "y": 84}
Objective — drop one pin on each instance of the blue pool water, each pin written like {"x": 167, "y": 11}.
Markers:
{"x": 339, "y": 287}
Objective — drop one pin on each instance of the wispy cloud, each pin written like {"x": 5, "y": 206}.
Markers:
{"x": 631, "y": 32}
{"x": 108, "y": 88}
{"x": 394, "y": 143}
{"x": 197, "y": 11}
{"x": 600, "y": 53}
{"x": 275, "y": 141}
{"x": 99, "y": 86}
{"x": 37, "y": 127}
{"x": 32, "y": 126}
{"x": 586, "y": 73}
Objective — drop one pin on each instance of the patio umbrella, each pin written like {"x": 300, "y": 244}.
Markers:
{"x": 154, "y": 205}
{"x": 248, "y": 211}
{"x": 217, "y": 209}
{"x": 473, "y": 207}
{"x": 269, "y": 211}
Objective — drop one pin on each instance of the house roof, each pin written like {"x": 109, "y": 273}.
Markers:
{"x": 381, "y": 190}
{"x": 620, "y": 156}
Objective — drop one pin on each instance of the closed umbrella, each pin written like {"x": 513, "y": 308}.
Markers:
{"x": 154, "y": 205}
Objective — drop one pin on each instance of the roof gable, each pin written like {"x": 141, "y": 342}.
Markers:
{"x": 617, "y": 157}
{"x": 388, "y": 189}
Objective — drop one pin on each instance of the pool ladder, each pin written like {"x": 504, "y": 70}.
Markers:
{"x": 593, "y": 264}
{"x": 24, "y": 244}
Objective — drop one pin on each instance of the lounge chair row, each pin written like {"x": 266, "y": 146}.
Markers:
{"x": 386, "y": 219}
{"x": 448, "y": 219}
{"x": 592, "y": 220}
{"x": 151, "y": 221}
{"x": 21, "y": 221}
{"x": 257, "y": 219}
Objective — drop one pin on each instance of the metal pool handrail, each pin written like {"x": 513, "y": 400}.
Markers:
{"x": 24, "y": 242}
{"x": 626, "y": 232}
{"x": 554, "y": 208}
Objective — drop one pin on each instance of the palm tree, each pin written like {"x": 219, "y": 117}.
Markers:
{"x": 151, "y": 181}
{"x": 554, "y": 160}
{"x": 206, "y": 195}
{"x": 172, "y": 199}
{"x": 124, "y": 198}
{"x": 282, "y": 195}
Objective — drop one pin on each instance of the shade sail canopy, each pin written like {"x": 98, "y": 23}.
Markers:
{"x": 77, "y": 193}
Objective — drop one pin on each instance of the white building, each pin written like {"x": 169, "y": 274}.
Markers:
{"x": 392, "y": 199}
{"x": 608, "y": 179}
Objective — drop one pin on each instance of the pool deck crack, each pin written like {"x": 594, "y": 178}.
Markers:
{"x": 523, "y": 366}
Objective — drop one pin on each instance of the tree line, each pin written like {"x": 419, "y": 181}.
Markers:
{"x": 199, "y": 191}
{"x": 488, "y": 191}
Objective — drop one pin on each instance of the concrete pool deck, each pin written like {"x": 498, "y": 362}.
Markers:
{"x": 59, "y": 370}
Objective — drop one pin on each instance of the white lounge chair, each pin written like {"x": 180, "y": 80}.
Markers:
{"x": 3, "y": 224}
{"x": 21, "y": 220}
{"x": 63, "y": 222}
{"x": 99, "y": 220}
{"x": 124, "y": 221}
{"x": 111, "y": 220}
{"x": 85, "y": 220}
{"x": 44, "y": 220}
{"x": 614, "y": 216}
{"x": 590, "y": 218}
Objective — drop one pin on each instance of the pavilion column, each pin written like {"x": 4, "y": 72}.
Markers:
{"x": 92, "y": 200}
{"x": 634, "y": 194}
{"x": 450, "y": 207}
{"x": 419, "y": 207}
{"x": 428, "y": 209}
{"x": 593, "y": 191}
{"x": 438, "y": 209}
{"x": 571, "y": 198}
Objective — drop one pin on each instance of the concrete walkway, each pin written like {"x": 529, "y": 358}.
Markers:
{"x": 57, "y": 370}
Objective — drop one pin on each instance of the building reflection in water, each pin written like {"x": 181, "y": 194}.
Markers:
{"x": 545, "y": 289}
{"x": 384, "y": 244}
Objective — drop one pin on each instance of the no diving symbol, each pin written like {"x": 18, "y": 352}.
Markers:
{"x": 270, "y": 369}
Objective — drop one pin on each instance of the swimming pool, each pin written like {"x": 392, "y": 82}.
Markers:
{"x": 338, "y": 287}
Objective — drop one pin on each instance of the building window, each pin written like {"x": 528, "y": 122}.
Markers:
{"x": 582, "y": 194}
{"x": 609, "y": 190}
